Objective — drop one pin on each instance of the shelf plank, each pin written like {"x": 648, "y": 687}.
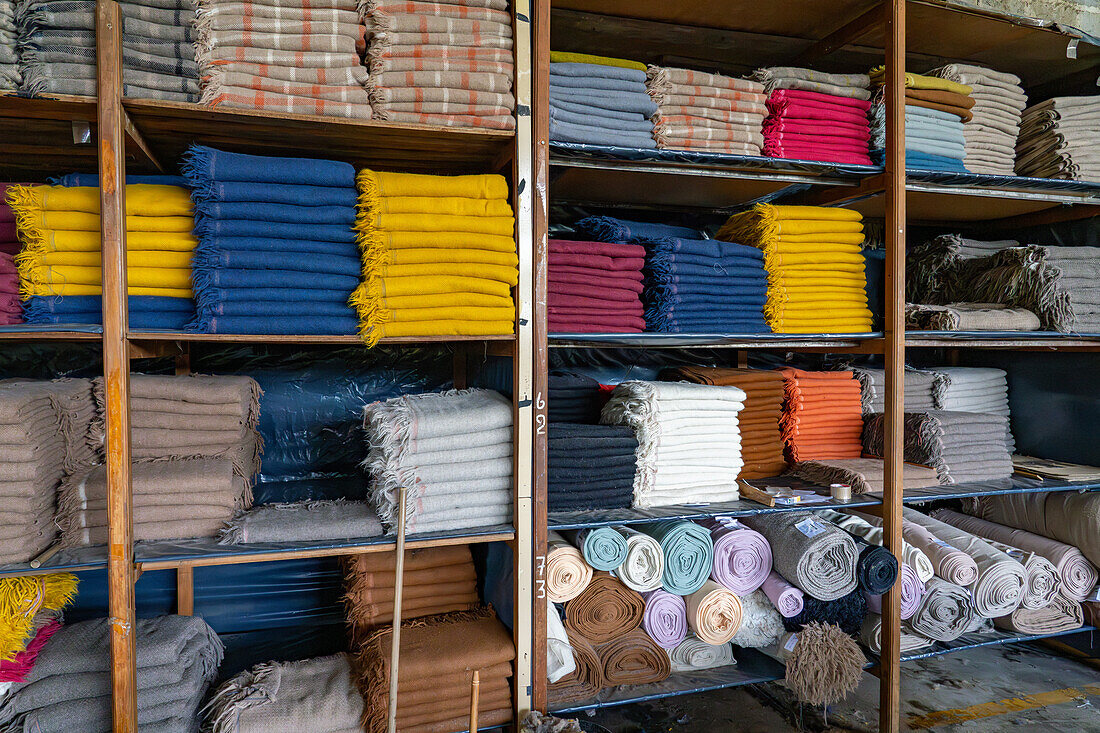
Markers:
{"x": 1016, "y": 340}
{"x": 35, "y": 334}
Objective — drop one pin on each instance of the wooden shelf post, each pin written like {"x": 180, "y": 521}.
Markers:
{"x": 116, "y": 364}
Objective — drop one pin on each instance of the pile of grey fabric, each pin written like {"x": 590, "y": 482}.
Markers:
{"x": 1058, "y": 139}
{"x": 69, "y": 688}
{"x": 1080, "y": 281}
{"x": 57, "y": 48}
{"x": 10, "y": 76}
{"x": 302, "y": 521}
{"x": 451, "y": 451}
{"x": 961, "y": 446}
{"x": 999, "y": 101}
{"x": 596, "y": 104}
{"x": 921, "y": 386}
{"x": 975, "y": 389}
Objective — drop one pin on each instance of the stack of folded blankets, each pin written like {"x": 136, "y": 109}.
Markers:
{"x": 437, "y": 658}
{"x": 177, "y": 658}
{"x": 574, "y": 398}
{"x": 822, "y": 415}
{"x": 282, "y": 56}
{"x": 11, "y": 311}
{"x": 436, "y": 580}
{"x": 922, "y": 388}
{"x": 864, "y": 475}
{"x": 689, "y": 444}
{"x": 590, "y": 466}
{"x": 452, "y": 451}
{"x": 595, "y": 287}
{"x": 1079, "y": 279}
{"x": 816, "y": 274}
{"x": 706, "y": 112}
{"x": 57, "y": 49}
{"x": 10, "y": 76}
{"x": 969, "y": 317}
{"x": 457, "y": 69}
{"x": 438, "y": 256}
{"x": 973, "y": 389}
{"x": 1058, "y": 139}
{"x": 961, "y": 446}
{"x": 761, "y": 439}
{"x": 704, "y": 286}
{"x": 600, "y": 101}
{"x": 816, "y": 116}
{"x": 60, "y": 266}
{"x": 991, "y": 133}
{"x": 276, "y": 250}
{"x": 935, "y": 110}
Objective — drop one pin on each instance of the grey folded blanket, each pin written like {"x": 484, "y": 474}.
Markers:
{"x": 302, "y": 521}
{"x": 818, "y": 557}
{"x": 961, "y": 446}
{"x": 970, "y": 317}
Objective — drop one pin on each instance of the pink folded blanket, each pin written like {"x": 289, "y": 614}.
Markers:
{"x": 816, "y": 141}
{"x": 796, "y": 95}
{"x": 820, "y": 153}
{"x": 779, "y": 125}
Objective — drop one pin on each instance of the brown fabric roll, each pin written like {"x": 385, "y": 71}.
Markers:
{"x": 633, "y": 659}
{"x": 604, "y": 610}
{"x": 432, "y": 648}
{"x": 583, "y": 682}
{"x": 864, "y": 475}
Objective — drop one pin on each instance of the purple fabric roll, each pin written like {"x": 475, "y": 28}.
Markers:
{"x": 912, "y": 591}
{"x": 742, "y": 556}
{"x": 785, "y": 597}
{"x": 665, "y": 618}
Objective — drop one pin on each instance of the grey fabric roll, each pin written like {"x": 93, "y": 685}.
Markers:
{"x": 818, "y": 557}
{"x": 1069, "y": 517}
{"x": 945, "y": 613}
{"x": 871, "y": 636}
{"x": 302, "y": 521}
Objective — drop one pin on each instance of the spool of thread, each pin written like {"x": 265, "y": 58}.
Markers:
{"x": 841, "y": 492}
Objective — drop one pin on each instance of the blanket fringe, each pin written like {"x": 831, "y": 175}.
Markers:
{"x": 26, "y": 205}
{"x": 24, "y": 596}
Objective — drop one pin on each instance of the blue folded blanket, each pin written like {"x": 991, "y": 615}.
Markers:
{"x": 226, "y": 278}
{"x": 751, "y": 270}
{"x": 206, "y": 227}
{"x": 589, "y": 135}
{"x": 570, "y": 68}
{"x": 302, "y": 325}
{"x": 304, "y": 262}
{"x": 280, "y": 308}
{"x": 291, "y": 294}
{"x": 725, "y": 328}
{"x": 587, "y": 110}
{"x": 280, "y": 246}
{"x": 924, "y": 161}
{"x": 610, "y": 229}
{"x": 676, "y": 259}
{"x": 608, "y": 99}
{"x": 41, "y": 305}
{"x": 692, "y": 307}
{"x": 708, "y": 248}
{"x": 167, "y": 320}
{"x": 595, "y": 85}
{"x": 641, "y": 124}
{"x": 291, "y": 213}
{"x": 203, "y": 165}
{"x": 282, "y": 193}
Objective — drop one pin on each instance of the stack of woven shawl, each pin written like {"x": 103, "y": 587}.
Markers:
{"x": 595, "y": 287}
{"x": 816, "y": 116}
{"x": 590, "y": 466}
{"x": 969, "y": 317}
{"x": 282, "y": 56}
{"x": 761, "y": 439}
{"x": 60, "y": 265}
{"x": 436, "y": 580}
{"x": 437, "y": 658}
{"x": 935, "y": 110}
{"x": 57, "y": 49}
{"x": 177, "y": 658}
{"x": 1058, "y": 139}
{"x": 1080, "y": 280}
{"x": 975, "y": 389}
{"x": 10, "y": 76}
{"x": 689, "y": 444}
{"x": 822, "y": 415}
{"x": 318, "y": 695}
{"x": 600, "y": 101}
{"x": 816, "y": 275}
{"x": 921, "y": 389}
{"x": 451, "y": 450}
{"x": 961, "y": 446}
{"x": 706, "y": 112}
{"x": 447, "y": 64}
{"x": 276, "y": 251}
{"x": 31, "y": 615}
{"x": 439, "y": 256}
{"x": 991, "y": 133}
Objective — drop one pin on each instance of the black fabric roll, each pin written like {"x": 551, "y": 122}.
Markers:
{"x": 847, "y": 612}
{"x": 877, "y": 569}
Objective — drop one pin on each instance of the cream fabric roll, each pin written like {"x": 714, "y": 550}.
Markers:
{"x": 714, "y": 613}
{"x": 559, "y": 653}
{"x": 567, "y": 574}
{"x": 645, "y": 561}
{"x": 950, "y": 563}
{"x": 691, "y": 654}
{"x": 871, "y": 636}
{"x": 857, "y": 525}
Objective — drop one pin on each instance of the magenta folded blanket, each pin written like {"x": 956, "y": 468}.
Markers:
{"x": 556, "y": 277}
{"x": 593, "y": 324}
{"x": 592, "y": 291}
{"x": 797, "y": 95}
{"x": 564, "y": 305}
{"x": 820, "y": 153}
{"x": 912, "y": 591}
{"x": 787, "y": 124}
{"x": 815, "y": 111}
{"x": 665, "y": 618}
{"x": 742, "y": 556}
{"x": 596, "y": 261}
{"x": 606, "y": 249}
{"x": 785, "y": 597}
{"x": 824, "y": 141}
{"x": 581, "y": 301}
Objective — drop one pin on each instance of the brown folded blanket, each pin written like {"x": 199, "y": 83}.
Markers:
{"x": 963, "y": 112}
{"x": 604, "y": 610}
{"x": 433, "y": 647}
{"x": 864, "y": 475}
{"x": 941, "y": 96}
{"x": 633, "y": 659}
{"x": 583, "y": 682}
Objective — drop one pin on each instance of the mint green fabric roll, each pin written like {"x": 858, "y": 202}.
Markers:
{"x": 603, "y": 547}
{"x": 689, "y": 554}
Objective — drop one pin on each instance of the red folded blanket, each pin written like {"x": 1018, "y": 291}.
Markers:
{"x": 798, "y": 95}
{"x": 787, "y": 124}
{"x": 801, "y": 140}
{"x": 597, "y": 324}
{"x": 607, "y": 249}
{"x": 602, "y": 262}
{"x": 635, "y": 275}
{"x": 611, "y": 309}
{"x": 569, "y": 279}
{"x": 592, "y": 291}
{"x": 555, "y": 300}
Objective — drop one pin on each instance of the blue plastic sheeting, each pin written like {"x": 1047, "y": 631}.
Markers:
{"x": 497, "y": 580}
{"x": 52, "y": 328}
{"x": 243, "y": 650}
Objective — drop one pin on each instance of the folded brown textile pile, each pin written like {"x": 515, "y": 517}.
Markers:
{"x": 437, "y": 659}
{"x": 864, "y": 475}
{"x": 583, "y": 682}
{"x": 436, "y": 580}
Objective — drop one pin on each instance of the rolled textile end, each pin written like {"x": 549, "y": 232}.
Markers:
{"x": 644, "y": 565}
{"x": 567, "y": 574}
{"x": 871, "y": 636}
{"x": 945, "y": 613}
{"x": 912, "y": 590}
{"x": 1079, "y": 577}
{"x": 742, "y": 556}
{"x": 559, "y": 654}
{"x": 785, "y": 597}
{"x": 665, "y": 618}
{"x": 1043, "y": 582}
{"x": 603, "y": 547}
{"x": 823, "y": 663}
{"x": 692, "y": 654}
{"x": 584, "y": 681}
{"x": 1061, "y": 615}
{"x": 714, "y": 613}
{"x": 876, "y": 569}
{"x": 633, "y": 659}
{"x": 688, "y": 551}
{"x": 999, "y": 588}
{"x": 604, "y": 610}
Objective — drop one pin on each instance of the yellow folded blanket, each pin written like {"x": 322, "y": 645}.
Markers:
{"x": 919, "y": 81}
{"x": 441, "y": 300}
{"x": 418, "y": 329}
{"x": 833, "y": 259}
{"x": 78, "y": 289}
{"x": 141, "y": 199}
{"x": 374, "y": 185}
{"x": 75, "y": 241}
{"x": 390, "y": 287}
{"x": 28, "y": 223}
{"x": 836, "y": 310}
{"x": 836, "y": 327}
{"x": 140, "y": 258}
{"x": 379, "y": 316}
{"x": 564, "y": 57}
{"x": 503, "y": 226}
{"x": 443, "y": 205}
{"x": 832, "y": 240}
{"x": 472, "y": 256}
{"x": 501, "y": 273}
{"x": 445, "y": 240}
{"x": 142, "y": 277}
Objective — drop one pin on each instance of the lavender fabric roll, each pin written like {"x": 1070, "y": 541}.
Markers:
{"x": 665, "y": 618}
{"x": 742, "y": 557}
{"x": 785, "y": 597}
{"x": 912, "y": 591}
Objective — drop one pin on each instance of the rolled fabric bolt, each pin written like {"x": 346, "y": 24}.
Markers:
{"x": 785, "y": 597}
{"x": 665, "y": 618}
{"x": 644, "y": 565}
{"x": 605, "y": 609}
{"x": 693, "y": 654}
{"x": 876, "y": 569}
{"x": 714, "y": 613}
{"x": 742, "y": 557}
{"x": 567, "y": 574}
{"x": 873, "y": 534}
{"x": 559, "y": 654}
{"x": 912, "y": 590}
{"x": 945, "y": 612}
{"x": 1043, "y": 582}
{"x": 950, "y": 563}
{"x": 688, "y": 552}
{"x": 603, "y": 547}
{"x": 818, "y": 557}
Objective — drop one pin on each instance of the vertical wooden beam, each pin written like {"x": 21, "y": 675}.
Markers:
{"x": 116, "y": 364}
{"x": 890, "y": 658}
{"x": 185, "y": 590}
{"x": 541, "y": 151}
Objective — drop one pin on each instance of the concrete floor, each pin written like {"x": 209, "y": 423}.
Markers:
{"x": 1024, "y": 688}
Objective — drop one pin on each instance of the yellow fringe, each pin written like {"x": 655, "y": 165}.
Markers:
{"x": 24, "y": 596}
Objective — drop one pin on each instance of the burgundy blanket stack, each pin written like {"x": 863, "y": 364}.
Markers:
{"x": 808, "y": 125}
{"x": 595, "y": 287}
{"x": 10, "y": 309}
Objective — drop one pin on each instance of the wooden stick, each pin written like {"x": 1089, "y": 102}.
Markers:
{"x": 398, "y": 590}
{"x": 45, "y": 555}
{"x": 475, "y": 688}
